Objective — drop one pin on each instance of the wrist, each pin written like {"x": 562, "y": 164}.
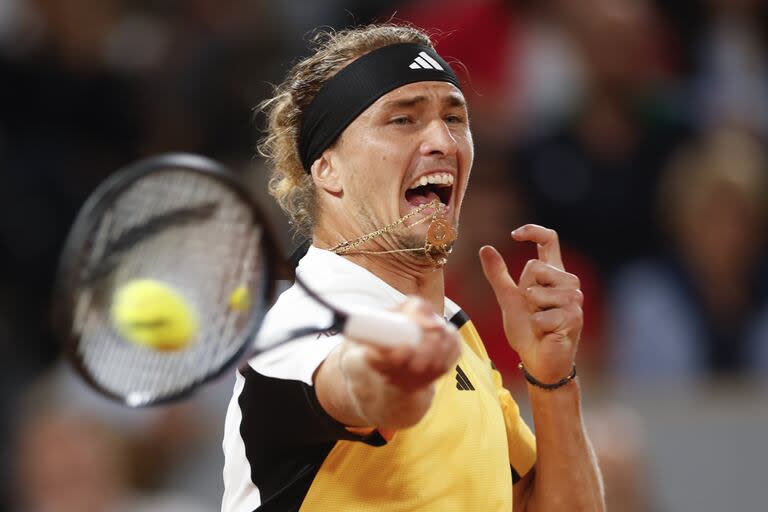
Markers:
{"x": 555, "y": 405}
{"x": 376, "y": 400}
{"x": 547, "y": 386}
{"x": 354, "y": 391}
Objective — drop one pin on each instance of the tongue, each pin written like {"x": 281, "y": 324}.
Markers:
{"x": 421, "y": 197}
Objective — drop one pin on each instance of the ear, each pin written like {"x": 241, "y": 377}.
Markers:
{"x": 326, "y": 174}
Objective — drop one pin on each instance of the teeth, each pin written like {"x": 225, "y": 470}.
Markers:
{"x": 442, "y": 178}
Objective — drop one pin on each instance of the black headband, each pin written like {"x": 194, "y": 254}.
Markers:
{"x": 353, "y": 89}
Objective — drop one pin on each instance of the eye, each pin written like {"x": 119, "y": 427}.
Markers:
{"x": 400, "y": 120}
{"x": 454, "y": 119}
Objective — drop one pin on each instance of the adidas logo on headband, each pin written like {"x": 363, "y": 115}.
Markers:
{"x": 424, "y": 61}
{"x": 356, "y": 86}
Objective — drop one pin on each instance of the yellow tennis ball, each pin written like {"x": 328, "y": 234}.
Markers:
{"x": 151, "y": 313}
{"x": 240, "y": 299}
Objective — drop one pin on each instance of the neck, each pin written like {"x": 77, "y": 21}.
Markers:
{"x": 404, "y": 272}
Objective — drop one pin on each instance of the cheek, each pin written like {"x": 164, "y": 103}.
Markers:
{"x": 372, "y": 182}
{"x": 466, "y": 159}
{"x": 466, "y": 149}
{"x": 383, "y": 162}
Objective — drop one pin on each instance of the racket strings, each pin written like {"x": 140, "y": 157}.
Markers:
{"x": 204, "y": 253}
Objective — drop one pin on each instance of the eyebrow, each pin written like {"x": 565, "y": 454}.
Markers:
{"x": 452, "y": 100}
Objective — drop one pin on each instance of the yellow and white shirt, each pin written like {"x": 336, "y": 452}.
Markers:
{"x": 284, "y": 452}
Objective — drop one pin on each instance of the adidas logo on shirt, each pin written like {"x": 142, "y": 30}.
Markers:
{"x": 424, "y": 61}
{"x": 462, "y": 381}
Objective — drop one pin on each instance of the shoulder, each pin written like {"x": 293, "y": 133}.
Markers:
{"x": 454, "y": 314}
{"x": 295, "y": 307}
{"x": 344, "y": 286}
{"x": 340, "y": 282}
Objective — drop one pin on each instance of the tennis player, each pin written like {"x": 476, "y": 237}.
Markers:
{"x": 371, "y": 150}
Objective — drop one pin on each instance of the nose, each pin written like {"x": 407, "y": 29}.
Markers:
{"x": 438, "y": 140}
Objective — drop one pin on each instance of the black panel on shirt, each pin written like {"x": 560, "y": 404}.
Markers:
{"x": 515, "y": 475}
{"x": 287, "y": 436}
{"x": 459, "y": 319}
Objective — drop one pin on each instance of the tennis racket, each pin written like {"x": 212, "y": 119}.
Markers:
{"x": 188, "y": 222}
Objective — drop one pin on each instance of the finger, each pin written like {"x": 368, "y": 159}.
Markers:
{"x": 547, "y": 243}
{"x": 559, "y": 320}
{"x": 438, "y": 353}
{"x": 421, "y": 357}
{"x": 496, "y": 273}
{"x": 536, "y": 272}
{"x": 548, "y": 321}
{"x": 546, "y": 298}
{"x": 381, "y": 358}
{"x": 528, "y": 277}
{"x": 420, "y": 311}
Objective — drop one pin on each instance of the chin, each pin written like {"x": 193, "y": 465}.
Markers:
{"x": 412, "y": 240}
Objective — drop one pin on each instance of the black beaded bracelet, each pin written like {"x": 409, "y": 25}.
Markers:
{"x": 549, "y": 387}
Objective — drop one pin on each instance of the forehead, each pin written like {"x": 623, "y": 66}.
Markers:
{"x": 439, "y": 92}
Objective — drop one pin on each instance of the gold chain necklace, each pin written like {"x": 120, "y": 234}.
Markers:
{"x": 437, "y": 246}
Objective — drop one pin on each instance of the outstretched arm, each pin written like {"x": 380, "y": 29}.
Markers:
{"x": 364, "y": 385}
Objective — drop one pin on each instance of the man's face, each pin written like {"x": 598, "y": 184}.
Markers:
{"x": 413, "y": 145}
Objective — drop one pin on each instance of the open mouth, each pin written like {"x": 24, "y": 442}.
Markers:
{"x": 428, "y": 188}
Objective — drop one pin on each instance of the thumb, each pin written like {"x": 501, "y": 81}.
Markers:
{"x": 495, "y": 270}
{"x": 420, "y": 311}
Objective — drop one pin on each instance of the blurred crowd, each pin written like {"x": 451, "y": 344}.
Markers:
{"x": 636, "y": 128}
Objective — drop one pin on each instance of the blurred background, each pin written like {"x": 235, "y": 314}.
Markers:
{"x": 636, "y": 128}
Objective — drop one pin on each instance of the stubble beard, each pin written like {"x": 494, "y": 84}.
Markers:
{"x": 398, "y": 239}
{"x": 401, "y": 238}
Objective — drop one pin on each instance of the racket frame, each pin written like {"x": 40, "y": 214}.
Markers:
{"x": 70, "y": 280}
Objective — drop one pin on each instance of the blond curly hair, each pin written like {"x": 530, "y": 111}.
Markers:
{"x": 289, "y": 183}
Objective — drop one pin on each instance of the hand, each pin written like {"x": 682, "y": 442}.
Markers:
{"x": 414, "y": 367}
{"x": 542, "y": 311}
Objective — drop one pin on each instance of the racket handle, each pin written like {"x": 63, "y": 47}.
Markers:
{"x": 383, "y": 328}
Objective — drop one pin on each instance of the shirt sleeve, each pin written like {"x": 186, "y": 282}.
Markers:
{"x": 277, "y": 434}
{"x": 279, "y": 400}
{"x": 280, "y": 408}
